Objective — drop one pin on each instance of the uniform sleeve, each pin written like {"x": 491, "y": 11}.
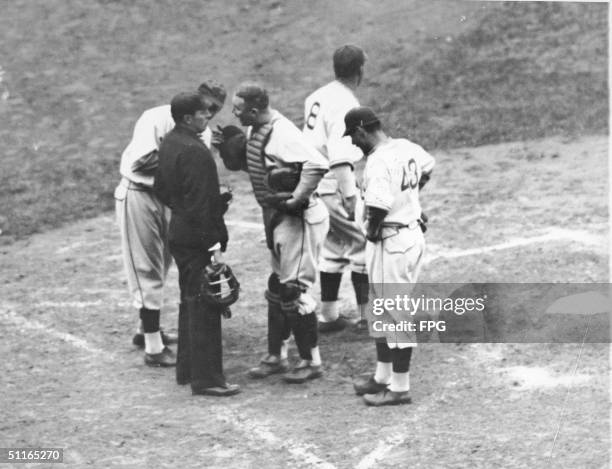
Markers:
{"x": 149, "y": 131}
{"x": 339, "y": 148}
{"x": 378, "y": 185}
{"x": 289, "y": 145}
{"x": 426, "y": 161}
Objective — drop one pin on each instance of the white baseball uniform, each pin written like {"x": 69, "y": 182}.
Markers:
{"x": 297, "y": 240}
{"x": 143, "y": 220}
{"x": 391, "y": 182}
{"x": 324, "y": 112}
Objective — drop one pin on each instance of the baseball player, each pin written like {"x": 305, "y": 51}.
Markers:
{"x": 143, "y": 222}
{"x": 295, "y": 222}
{"x": 396, "y": 169}
{"x": 344, "y": 246}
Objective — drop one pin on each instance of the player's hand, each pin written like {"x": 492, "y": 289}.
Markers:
{"x": 295, "y": 206}
{"x": 276, "y": 199}
{"x": 349, "y": 204}
{"x": 217, "y": 137}
{"x": 226, "y": 199}
{"x": 372, "y": 233}
{"x": 217, "y": 257}
{"x": 423, "y": 222}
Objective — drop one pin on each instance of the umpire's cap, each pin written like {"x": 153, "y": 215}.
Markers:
{"x": 359, "y": 117}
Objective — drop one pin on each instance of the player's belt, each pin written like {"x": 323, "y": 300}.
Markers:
{"x": 411, "y": 226}
{"x": 135, "y": 186}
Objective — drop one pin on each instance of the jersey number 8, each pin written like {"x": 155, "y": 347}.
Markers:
{"x": 311, "y": 120}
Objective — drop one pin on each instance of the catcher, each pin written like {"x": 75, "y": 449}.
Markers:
{"x": 284, "y": 171}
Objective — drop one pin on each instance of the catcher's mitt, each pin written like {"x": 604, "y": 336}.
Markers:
{"x": 284, "y": 179}
{"x": 218, "y": 286}
{"x": 233, "y": 148}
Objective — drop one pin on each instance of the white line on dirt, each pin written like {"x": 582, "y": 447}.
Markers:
{"x": 228, "y": 414}
{"x": 11, "y": 317}
{"x": 400, "y": 434}
{"x": 551, "y": 234}
{"x": 380, "y": 452}
{"x": 77, "y": 245}
{"x": 245, "y": 224}
{"x": 68, "y": 304}
{"x": 301, "y": 452}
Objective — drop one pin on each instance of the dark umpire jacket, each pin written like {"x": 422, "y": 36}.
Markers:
{"x": 186, "y": 181}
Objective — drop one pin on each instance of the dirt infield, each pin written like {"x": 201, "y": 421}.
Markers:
{"x": 74, "y": 381}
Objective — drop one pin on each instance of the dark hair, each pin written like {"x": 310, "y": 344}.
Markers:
{"x": 213, "y": 89}
{"x": 373, "y": 127}
{"x": 348, "y": 60}
{"x": 254, "y": 95}
{"x": 184, "y": 104}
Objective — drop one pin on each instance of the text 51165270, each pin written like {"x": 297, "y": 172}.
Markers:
{"x": 31, "y": 455}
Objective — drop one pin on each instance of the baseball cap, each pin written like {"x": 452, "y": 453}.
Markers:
{"x": 359, "y": 117}
{"x": 215, "y": 90}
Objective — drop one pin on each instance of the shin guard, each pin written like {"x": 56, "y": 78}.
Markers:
{"x": 278, "y": 326}
{"x": 306, "y": 334}
{"x": 361, "y": 287}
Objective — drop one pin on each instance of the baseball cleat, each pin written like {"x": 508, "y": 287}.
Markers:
{"x": 164, "y": 359}
{"x": 219, "y": 391}
{"x": 387, "y": 397}
{"x": 333, "y": 326}
{"x": 270, "y": 365}
{"x": 302, "y": 374}
{"x": 368, "y": 386}
{"x": 167, "y": 339}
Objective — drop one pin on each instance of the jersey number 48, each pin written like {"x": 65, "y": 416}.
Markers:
{"x": 410, "y": 177}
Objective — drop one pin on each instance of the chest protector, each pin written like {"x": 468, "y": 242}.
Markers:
{"x": 256, "y": 162}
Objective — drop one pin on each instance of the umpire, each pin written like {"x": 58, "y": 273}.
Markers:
{"x": 187, "y": 182}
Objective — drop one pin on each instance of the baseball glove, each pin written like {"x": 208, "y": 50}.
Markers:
{"x": 219, "y": 287}
{"x": 146, "y": 164}
{"x": 232, "y": 149}
{"x": 284, "y": 179}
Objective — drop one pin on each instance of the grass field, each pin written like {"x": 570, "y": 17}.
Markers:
{"x": 511, "y": 98}
{"x": 447, "y": 74}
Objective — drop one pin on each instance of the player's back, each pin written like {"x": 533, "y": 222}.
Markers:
{"x": 393, "y": 172}
{"x": 324, "y": 109}
{"x": 324, "y": 112}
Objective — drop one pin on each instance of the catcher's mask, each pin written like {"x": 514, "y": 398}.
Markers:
{"x": 218, "y": 286}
